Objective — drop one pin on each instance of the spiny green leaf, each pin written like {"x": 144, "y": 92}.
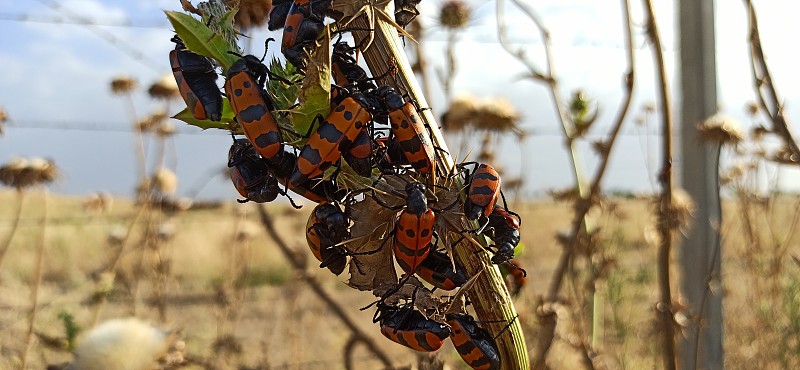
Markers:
{"x": 200, "y": 39}
{"x": 225, "y": 124}
{"x": 316, "y": 90}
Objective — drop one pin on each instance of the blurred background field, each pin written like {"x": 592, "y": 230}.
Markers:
{"x": 239, "y": 305}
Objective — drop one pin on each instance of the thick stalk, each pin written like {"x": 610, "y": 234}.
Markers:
{"x": 489, "y": 296}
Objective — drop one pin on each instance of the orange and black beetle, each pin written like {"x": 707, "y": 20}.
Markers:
{"x": 475, "y": 345}
{"x": 197, "y": 82}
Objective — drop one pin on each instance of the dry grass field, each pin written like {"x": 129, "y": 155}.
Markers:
{"x": 218, "y": 278}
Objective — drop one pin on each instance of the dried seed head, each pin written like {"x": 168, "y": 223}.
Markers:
{"x": 721, "y": 129}
{"x": 165, "y": 181}
{"x": 785, "y": 155}
{"x": 252, "y": 13}
{"x": 165, "y": 88}
{"x": 153, "y": 122}
{"x": 757, "y": 132}
{"x": 497, "y": 114}
{"x": 166, "y": 231}
{"x": 3, "y": 119}
{"x": 454, "y": 14}
{"x": 123, "y": 85}
{"x": 23, "y": 173}
{"x": 122, "y": 344}
{"x": 460, "y": 113}
{"x": 681, "y": 209}
{"x": 732, "y": 174}
{"x": 165, "y": 129}
{"x": 752, "y": 109}
{"x": 117, "y": 235}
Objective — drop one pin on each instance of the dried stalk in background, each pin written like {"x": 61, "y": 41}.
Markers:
{"x": 587, "y": 198}
{"x": 37, "y": 282}
{"x": 667, "y": 220}
{"x": 299, "y": 265}
{"x": 767, "y": 95}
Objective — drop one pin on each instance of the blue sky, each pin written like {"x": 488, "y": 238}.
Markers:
{"x": 56, "y": 78}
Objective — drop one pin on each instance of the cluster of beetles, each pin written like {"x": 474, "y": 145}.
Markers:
{"x": 371, "y": 131}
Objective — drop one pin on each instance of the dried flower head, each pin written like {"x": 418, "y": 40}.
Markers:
{"x": 497, "y": 114}
{"x": 165, "y": 88}
{"x": 785, "y": 155}
{"x": 165, "y": 129}
{"x": 153, "y": 122}
{"x": 460, "y": 113}
{"x": 3, "y": 119}
{"x": 23, "y": 173}
{"x": 752, "y": 109}
{"x": 680, "y": 210}
{"x": 721, "y": 129}
{"x": 732, "y": 174}
{"x": 757, "y": 132}
{"x": 165, "y": 181}
{"x": 252, "y": 13}
{"x": 123, "y": 85}
{"x": 454, "y": 14}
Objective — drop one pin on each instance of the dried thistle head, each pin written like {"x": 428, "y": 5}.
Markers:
{"x": 252, "y": 13}
{"x": 680, "y": 210}
{"x": 460, "y": 113}
{"x": 752, "y": 109}
{"x": 153, "y": 122}
{"x": 732, "y": 174}
{"x": 498, "y": 115}
{"x": 123, "y": 85}
{"x": 23, "y": 173}
{"x": 721, "y": 129}
{"x": 3, "y": 119}
{"x": 454, "y": 14}
{"x": 165, "y": 181}
{"x": 165, "y": 129}
{"x": 757, "y": 132}
{"x": 785, "y": 155}
{"x": 165, "y": 88}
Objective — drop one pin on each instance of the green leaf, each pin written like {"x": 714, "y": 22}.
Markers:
{"x": 316, "y": 90}
{"x": 200, "y": 39}
{"x": 226, "y": 123}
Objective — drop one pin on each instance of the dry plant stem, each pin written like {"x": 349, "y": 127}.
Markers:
{"x": 587, "y": 201}
{"x": 140, "y": 155}
{"x": 112, "y": 266}
{"x": 422, "y": 60}
{"x": 334, "y": 306}
{"x": 7, "y": 242}
{"x": 36, "y": 284}
{"x": 765, "y": 89}
{"x": 665, "y": 224}
{"x": 489, "y": 296}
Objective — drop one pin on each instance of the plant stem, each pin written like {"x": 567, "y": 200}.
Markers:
{"x": 666, "y": 223}
{"x": 7, "y": 242}
{"x": 39, "y": 269}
